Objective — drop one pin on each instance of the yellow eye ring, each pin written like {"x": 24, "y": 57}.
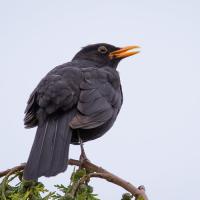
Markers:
{"x": 102, "y": 49}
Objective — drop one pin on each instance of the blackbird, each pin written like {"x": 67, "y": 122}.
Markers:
{"x": 76, "y": 101}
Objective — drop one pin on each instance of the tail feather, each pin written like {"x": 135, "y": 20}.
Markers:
{"x": 49, "y": 153}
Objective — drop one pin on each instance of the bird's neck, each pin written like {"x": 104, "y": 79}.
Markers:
{"x": 85, "y": 63}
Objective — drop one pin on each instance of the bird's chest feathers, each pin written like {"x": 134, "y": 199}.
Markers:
{"x": 94, "y": 78}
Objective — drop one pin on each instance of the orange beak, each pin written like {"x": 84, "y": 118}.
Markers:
{"x": 124, "y": 52}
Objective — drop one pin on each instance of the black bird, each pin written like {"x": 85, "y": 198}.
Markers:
{"x": 78, "y": 100}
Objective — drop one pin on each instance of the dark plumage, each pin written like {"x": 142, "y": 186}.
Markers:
{"x": 79, "y": 97}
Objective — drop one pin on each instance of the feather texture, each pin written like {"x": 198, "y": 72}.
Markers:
{"x": 49, "y": 153}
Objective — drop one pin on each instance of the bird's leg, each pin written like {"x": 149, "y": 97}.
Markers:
{"x": 83, "y": 156}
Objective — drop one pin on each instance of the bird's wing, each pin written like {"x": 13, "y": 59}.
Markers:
{"x": 99, "y": 99}
{"x": 59, "y": 89}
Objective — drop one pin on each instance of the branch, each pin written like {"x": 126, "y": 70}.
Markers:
{"x": 104, "y": 174}
{"x": 13, "y": 170}
{"x": 96, "y": 172}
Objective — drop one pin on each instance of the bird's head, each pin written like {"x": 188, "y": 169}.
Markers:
{"x": 105, "y": 54}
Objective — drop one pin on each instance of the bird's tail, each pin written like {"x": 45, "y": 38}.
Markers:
{"x": 49, "y": 153}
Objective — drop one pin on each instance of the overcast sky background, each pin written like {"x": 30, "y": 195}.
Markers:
{"x": 155, "y": 140}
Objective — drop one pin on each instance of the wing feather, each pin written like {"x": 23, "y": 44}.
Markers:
{"x": 96, "y": 104}
{"x": 59, "y": 89}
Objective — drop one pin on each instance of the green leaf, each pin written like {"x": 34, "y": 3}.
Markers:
{"x": 33, "y": 190}
{"x": 77, "y": 175}
{"x": 140, "y": 198}
{"x": 127, "y": 196}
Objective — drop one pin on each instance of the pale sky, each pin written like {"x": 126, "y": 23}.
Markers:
{"x": 155, "y": 140}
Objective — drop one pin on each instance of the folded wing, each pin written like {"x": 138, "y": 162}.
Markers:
{"x": 97, "y": 100}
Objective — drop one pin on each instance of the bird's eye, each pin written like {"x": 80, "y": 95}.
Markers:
{"x": 102, "y": 49}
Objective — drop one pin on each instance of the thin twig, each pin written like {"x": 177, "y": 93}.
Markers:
{"x": 136, "y": 192}
{"x": 77, "y": 185}
{"x": 13, "y": 170}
